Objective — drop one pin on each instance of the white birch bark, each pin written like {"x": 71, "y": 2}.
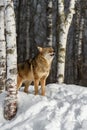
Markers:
{"x": 2, "y": 48}
{"x": 49, "y": 27}
{"x": 49, "y": 18}
{"x": 11, "y": 81}
{"x": 65, "y": 22}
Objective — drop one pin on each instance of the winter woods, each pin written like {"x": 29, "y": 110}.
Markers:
{"x": 58, "y": 23}
{"x": 43, "y": 29}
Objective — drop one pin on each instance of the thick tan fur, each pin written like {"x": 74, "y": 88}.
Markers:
{"x": 36, "y": 70}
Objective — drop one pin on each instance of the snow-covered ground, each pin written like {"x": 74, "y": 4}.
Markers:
{"x": 63, "y": 108}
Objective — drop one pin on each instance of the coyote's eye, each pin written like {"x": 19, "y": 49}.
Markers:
{"x": 51, "y": 51}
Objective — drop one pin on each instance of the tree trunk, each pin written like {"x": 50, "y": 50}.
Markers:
{"x": 84, "y": 11}
{"x": 27, "y": 30}
{"x": 11, "y": 81}
{"x": 76, "y": 37}
{"x": 53, "y": 74}
{"x": 2, "y": 48}
{"x": 49, "y": 20}
{"x": 21, "y": 30}
{"x": 65, "y": 22}
{"x": 49, "y": 29}
{"x": 80, "y": 39}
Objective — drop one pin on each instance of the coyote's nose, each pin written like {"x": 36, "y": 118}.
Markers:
{"x": 52, "y": 54}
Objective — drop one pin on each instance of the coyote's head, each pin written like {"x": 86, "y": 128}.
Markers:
{"x": 47, "y": 52}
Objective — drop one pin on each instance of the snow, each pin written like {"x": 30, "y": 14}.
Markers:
{"x": 63, "y": 108}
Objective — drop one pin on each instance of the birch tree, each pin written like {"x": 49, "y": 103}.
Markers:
{"x": 49, "y": 28}
{"x": 2, "y": 48}
{"x": 49, "y": 19}
{"x": 65, "y": 22}
{"x": 11, "y": 81}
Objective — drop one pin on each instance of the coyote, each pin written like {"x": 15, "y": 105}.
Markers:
{"x": 36, "y": 70}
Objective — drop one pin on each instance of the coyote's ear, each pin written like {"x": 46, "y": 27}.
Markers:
{"x": 39, "y": 48}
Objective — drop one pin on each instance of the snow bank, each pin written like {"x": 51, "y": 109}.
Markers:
{"x": 63, "y": 108}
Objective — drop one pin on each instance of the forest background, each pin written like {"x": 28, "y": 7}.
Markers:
{"x": 61, "y": 24}
{"x": 32, "y": 31}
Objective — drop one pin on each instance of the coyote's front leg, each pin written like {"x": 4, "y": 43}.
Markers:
{"x": 36, "y": 83}
{"x": 43, "y": 82}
